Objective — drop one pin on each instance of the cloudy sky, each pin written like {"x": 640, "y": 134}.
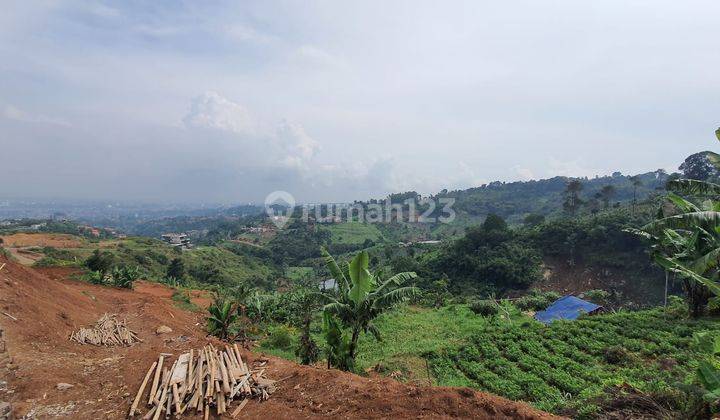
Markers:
{"x": 217, "y": 101}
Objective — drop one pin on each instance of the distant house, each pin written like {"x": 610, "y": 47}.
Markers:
{"x": 177, "y": 240}
{"x": 567, "y": 307}
{"x": 329, "y": 284}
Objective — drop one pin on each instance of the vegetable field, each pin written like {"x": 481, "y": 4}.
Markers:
{"x": 569, "y": 367}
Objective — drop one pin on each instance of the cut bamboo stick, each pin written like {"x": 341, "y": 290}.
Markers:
{"x": 239, "y": 408}
{"x": 135, "y": 403}
{"x": 156, "y": 379}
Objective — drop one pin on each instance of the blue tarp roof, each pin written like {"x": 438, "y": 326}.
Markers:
{"x": 567, "y": 307}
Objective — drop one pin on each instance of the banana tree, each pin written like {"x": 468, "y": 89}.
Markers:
{"x": 223, "y": 312}
{"x": 362, "y": 296}
{"x": 688, "y": 243}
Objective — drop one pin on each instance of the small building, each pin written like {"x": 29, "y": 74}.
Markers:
{"x": 567, "y": 307}
{"x": 177, "y": 240}
{"x": 329, "y": 284}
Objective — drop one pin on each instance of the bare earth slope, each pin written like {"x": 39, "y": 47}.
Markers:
{"x": 48, "y": 307}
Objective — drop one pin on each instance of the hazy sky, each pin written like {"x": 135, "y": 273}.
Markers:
{"x": 227, "y": 101}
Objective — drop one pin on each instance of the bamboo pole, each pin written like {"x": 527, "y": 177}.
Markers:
{"x": 239, "y": 408}
{"x": 176, "y": 397}
{"x": 135, "y": 403}
{"x": 161, "y": 402}
{"x": 156, "y": 379}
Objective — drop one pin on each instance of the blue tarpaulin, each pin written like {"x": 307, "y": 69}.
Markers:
{"x": 567, "y": 307}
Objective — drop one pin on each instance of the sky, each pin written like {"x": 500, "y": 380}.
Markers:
{"x": 226, "y": 101}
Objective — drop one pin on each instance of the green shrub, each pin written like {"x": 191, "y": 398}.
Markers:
{"x": 536, "y": 300}
{"x": 124, "y": 276}
{"x": 597, "y": 296}
{"x": 280, "y": 337}
{"x": 484, "y": 307}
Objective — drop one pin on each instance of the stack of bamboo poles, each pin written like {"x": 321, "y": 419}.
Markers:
{"x": 108, "y": 331}
{"x": 200, "y": 380}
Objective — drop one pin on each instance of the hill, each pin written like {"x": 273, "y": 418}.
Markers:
{"x": 515, "y": 200}
{"x": 44, "y": 311}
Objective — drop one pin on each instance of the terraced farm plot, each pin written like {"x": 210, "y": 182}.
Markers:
{"x": 568, "y": 366}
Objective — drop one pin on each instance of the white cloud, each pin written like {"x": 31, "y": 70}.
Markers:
{"x": 210, "y": 110}
{"x": 13, "y": 113}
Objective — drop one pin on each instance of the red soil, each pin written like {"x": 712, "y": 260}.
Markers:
{"x": 48, "y": 307}
{"x": 57, "y": 240}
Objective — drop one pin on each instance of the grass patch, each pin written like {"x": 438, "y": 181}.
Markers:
{"x": 182, "y": 300}
{"x": 410, "y": 332}
{"x": 354, "y": 233}
{"x": 297, "y": 273}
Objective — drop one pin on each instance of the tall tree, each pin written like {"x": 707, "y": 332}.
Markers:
{"x": 572, "y": 201}
{"x": 606, "y": 195}
{"x": 636, "y": 182}
{"x": 699, "y": 166}
{"x": 176, "y": 269}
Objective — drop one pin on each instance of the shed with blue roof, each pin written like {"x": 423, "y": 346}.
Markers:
{"x": 567, "y": 307}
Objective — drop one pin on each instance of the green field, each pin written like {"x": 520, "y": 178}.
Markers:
{"x": 354, "y": 233}
{"x": 570, "y": 366}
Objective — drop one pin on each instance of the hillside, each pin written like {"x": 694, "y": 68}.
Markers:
{"x": 46, "y": 310}
{"x": 514, "y": 200}
{"x": 204, "y": 266}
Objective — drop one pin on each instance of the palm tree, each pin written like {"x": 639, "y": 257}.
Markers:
{"x": 361, "y": 297}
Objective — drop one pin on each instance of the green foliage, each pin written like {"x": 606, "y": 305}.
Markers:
{"x": 488, "y": 258}
{"x": 600, "y": 297}
{"x": 484, "y": 307}
{"x": 297, "y": 243}
{"x": 699, "y": 166}
{"x": 514, "y": 200}
{"x": 338, "y": 351}
{"x": 353, "y": 233}
{"x": 361, "y": 298}
{"x": 536, "y": 300}
{"x": 279, "y": 336}
{"x": 182, "y": 300}
{"x": 124, "y": 276}
{"x": 95, "y": 277}
{"x": 533, "y": 219}
{"x": 307, "y": 351}
{"x": 568, "y": 366}
{"x": 688, "y": 243}
{"x": 100, "y": 261}
{"x": 222, "y": 313}
{"x": 708, "y": 374}
{"x": 176, "y": 269}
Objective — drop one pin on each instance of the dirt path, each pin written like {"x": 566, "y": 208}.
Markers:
{"x": 47, "y": 307}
